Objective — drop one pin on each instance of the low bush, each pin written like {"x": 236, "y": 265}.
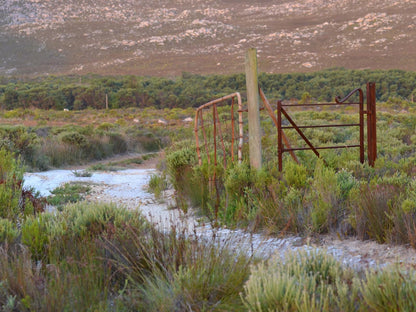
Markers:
{"x": 157, "y": 184}
{"x": 68, "y": 193}
{"x": 390, "y": 289}
{"x": 8, "y": 231}
{"x": 306, "y": 280}
{"x": 171, "y": 272}
{"x": 179, "y": 167}
{"x": 11, "y": 180}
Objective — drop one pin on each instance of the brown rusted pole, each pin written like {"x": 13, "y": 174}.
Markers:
{"x": 361, "y": 126}
{"x": 318, "y": 104}
{"x": 300, "y": 132}
{"x": 270, "y": 110}
{"x": 205, "y": 138}
{"x": 371, "y": 123}
{"x": 217, "y": 117}
{"x": 320, "y": 148}
{"x": 240, "y": 128}
{"x": 198, "y": 150}
{"x": 279, "y": 135}
{"x": 215, "y": 161}
{"x": 338, "y": 99}
{"x": 232, "y": 130}
{"x": 221, "y": 99}
{"x": 214, "y": 134}
{"x": 323, "y": 126}
{"x": 374, "y": 120}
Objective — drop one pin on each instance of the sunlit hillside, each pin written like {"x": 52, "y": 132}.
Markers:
{"x": 167, "y": 37}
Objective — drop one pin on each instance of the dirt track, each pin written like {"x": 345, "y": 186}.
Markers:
{"x": 128, "y": 188}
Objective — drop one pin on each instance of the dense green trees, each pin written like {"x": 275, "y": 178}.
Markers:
{"x": 80, "y": 92}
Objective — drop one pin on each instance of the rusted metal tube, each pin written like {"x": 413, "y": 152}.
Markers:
{"x": 361, "y": 126}
{"x": 338, "y": 99}
{"x": 198, "y": 150}
{"x": 217, "y": 117}
{"x": 300, "y": 132}
{"x": 240, "y": 129}
{"x": 279, "y": 136}
{"x": 318, "y": 104}
{"x": 371, "y": 123}
{"x": 271, "y": 114}
{"x": 215, "y": 134}
{"x": 232, "y": 130}
{"x": 323, "y": 126}
{"x": 320, "y": 148}
{"x": 205, "y": 140}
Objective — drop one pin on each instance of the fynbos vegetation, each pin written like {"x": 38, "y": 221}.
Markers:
{"x": 336, "y": 195}
{"x": 190, "y": 90}
{"x": 107, "y": 258}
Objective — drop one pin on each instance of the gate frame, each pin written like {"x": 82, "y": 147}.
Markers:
{"x": 371, "y": 126}
{"x": 215, "y": 118}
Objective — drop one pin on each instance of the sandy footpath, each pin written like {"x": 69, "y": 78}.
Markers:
{"x": 129, "y": 188}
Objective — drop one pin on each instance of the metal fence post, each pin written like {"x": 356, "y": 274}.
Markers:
{"x": 371, "y": 123}
{"x": 279, "y": 135}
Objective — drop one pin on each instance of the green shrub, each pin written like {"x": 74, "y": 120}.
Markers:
{"x": 68, "y": 193}
{"x": 117, "y": 142}
{"x": 19, "y": 140}
{"x": 11, "y": 179}
{"x": 8, "y": 231}
{"x": 179, "y": 166}
{"x": 106, "y": 126}
{"x": 374, "y": 210}
{"x": 157, "y": 184}
{"x": 295, "y": 174}
{"x": 82, "y": 173}
{"x": 171, "y": 272}
{"x": 212, "y": 285}
{"x": 324, "y": 198}
{"x": 237, "y": 178}
{"x": 345, "y": 182}
{"x": 306, "y": 280}
{"x": 92, "y": 219}
{"x": 74, "y": 138}
{"x": 36, "y": 235}
{"x": 390, "y": 289}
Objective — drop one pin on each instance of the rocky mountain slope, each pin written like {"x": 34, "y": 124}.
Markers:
{"x": 165, "y": 37}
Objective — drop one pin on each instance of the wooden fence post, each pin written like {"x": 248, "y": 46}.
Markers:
{"x": 254, "y": 133}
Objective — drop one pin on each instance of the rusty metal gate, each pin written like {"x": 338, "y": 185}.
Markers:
{"x": 220, "y": 137}
{"x": 218, "y": 133}
{"x": 371, "y": 126}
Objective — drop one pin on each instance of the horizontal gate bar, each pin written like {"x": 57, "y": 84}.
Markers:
{"x": 318, "y": 148}
{"x": 322, "y": 126}
{"x": 319, "y": 104}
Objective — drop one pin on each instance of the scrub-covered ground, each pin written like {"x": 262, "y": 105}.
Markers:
{"x": 129, "y": 188}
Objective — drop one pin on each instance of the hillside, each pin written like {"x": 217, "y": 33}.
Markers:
{"x": 165, "y": 37}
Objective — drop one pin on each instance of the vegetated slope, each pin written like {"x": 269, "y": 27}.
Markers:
{"x": 165, "y": 37}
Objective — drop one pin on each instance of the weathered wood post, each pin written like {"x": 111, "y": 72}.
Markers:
{"x": 254, "y": 134}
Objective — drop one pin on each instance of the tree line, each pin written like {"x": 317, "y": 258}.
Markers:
{"x": 191, "y": 90}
